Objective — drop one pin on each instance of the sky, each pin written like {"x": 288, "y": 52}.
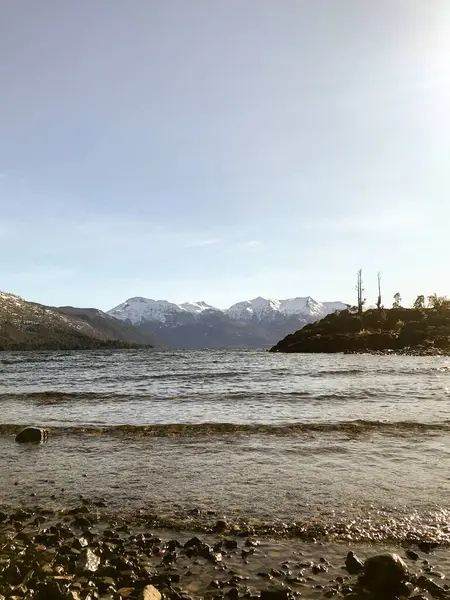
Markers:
{"x": 196, "y": 150}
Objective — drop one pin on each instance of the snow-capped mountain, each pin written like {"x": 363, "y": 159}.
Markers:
{"x": 140, "y": 310}
{"x": 268, "y": 308}
{"x": 251, "y": 323}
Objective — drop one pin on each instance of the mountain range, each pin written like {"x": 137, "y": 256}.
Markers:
{"x": 257, "y": 323}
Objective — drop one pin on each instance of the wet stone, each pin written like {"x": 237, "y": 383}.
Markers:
{"x": 12, "y": 575}
{"x": 80, "y": 543}
{"x": 281, "y": 594}
{"x": 81, "y": 523}
{"x": 50, "y": 591}
{"x": 383, "y": 573}
{"x": 149, "y": 593}
{"x": 32, "y": 435}
{"x": 105, "y": 583}
{"x": 427, "y": 546}
{"x": 232, "y": 594}
{"x": 353, "y": 564}
{"x": 433, "y": 588}
{"x": 172, "y": 545}
{"x": 318, "y": 569}
{"x": 88, "y": 561}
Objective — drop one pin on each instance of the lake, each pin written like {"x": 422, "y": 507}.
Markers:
{"x": 354, "y": 445}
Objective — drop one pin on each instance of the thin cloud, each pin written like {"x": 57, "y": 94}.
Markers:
{"x": 250, "y": 244}
{"x": 380, "y": 221}
{"x": 202, "y": 243}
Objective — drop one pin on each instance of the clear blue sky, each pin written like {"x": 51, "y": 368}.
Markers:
{"x": 222, "y": 150}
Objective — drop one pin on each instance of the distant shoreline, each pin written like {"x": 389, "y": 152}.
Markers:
{"x": 107, "y": 345}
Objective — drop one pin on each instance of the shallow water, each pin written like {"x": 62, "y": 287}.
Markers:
{"x": 356, "y": 444}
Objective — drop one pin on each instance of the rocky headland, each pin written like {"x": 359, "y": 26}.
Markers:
{"x": 386, "y": 331}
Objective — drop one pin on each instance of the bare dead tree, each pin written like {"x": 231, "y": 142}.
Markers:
{"x": 379, "y": 290}
{"x": 360, "y": 290}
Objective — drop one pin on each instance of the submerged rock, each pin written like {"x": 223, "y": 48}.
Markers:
{"x": 32, "y": 434}
{"x": 276, "y": 594}
{"x": 432, "y": 587}
{"x": 384, "y": 573}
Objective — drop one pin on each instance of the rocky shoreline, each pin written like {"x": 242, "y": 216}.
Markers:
{"x": 405, "y": 331}
{"x": 83, "y": 554}
{"x": 426, "y": 351}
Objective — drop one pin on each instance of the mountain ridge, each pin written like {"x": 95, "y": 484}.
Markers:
{"x": 31, "y": 326}
{"x": 256, "y": 323}
{"x": 139, "y": 308}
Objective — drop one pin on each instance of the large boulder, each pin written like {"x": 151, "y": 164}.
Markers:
{"x": 32, "y": 434}
{"x": 384, "y": 574}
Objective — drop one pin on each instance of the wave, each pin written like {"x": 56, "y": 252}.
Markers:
{"x": 55, "y": 396}
{"x": 51, "y": 397}
{"x": 190, "y": 430}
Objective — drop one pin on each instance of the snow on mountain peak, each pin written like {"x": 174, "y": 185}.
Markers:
{"x": 258, "y": 307}
{"x": 197, "y": 307}
{"x": 139, "y": 310}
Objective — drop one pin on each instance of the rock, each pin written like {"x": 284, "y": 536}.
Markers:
{"x": 88, "y": 561}
{"x": 427, "y": 546}
{"x": 220, "y": 526}
{"x": 353, "y": 564}
{"x": 318, "y": 569}
{"x": 149, "y": 593}
{"x": 32, "y": 434}
{"x": 50, "y": 591}
{"x": 81, "y": 523}
{"x": 384, "y": 573}
{"x": 274, "y": 594}
{"x": 360, "y": 595}
{"x": 412, "y": 555}
{"x": 433, "y": 588}
{"x": 12, "y": 575}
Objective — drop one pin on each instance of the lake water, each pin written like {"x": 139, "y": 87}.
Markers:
{"x": 358, "y": 445}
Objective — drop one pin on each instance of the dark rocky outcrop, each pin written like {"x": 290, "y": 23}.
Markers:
{"x": 32, "y": 434}
{"x": 399, "y": 330}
